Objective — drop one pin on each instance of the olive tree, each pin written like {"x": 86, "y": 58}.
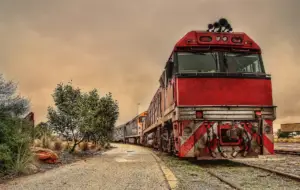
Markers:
{"x": 66, "y": 118}
{"x": 82, "y": 116}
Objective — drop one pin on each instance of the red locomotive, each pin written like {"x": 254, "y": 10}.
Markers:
{"x": 214, "y": 99}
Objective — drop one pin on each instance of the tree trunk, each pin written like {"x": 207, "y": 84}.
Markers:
{"x": 73, "y": 148}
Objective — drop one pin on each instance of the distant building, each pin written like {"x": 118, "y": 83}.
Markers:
{"x": 290, "y": 127}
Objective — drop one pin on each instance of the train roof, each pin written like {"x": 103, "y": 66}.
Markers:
{"x": 204, "y": 40}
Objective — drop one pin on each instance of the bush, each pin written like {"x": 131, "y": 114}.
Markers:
{"x": 37, "y": 143}
{"x": 15, "y": 133}
{"x": 46, "y": 142}
{"x": 66, "y": 145}
{"x": 23, "y": 159}
{"x": 84, "y": 146}
{"x": 98, "y": 148}
{"x": 14, "y": 146}
{"x": 5, "y": 156}
{"x": 58, "y": 145}
{"x": 53, "y": 138}
{"x": 92, "y": 146}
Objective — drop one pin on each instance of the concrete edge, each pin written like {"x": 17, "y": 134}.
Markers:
{"x": 170, "y": 177}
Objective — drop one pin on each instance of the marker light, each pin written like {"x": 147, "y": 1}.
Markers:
{"x": 205, "y": 39}
{"x": 225, "y": 38}
{"x": 218, "y": 38}
{"x": 237, "y": 40}
{"x": 248, "y": 43}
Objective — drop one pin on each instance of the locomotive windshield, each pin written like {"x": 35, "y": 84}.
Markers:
{"x": 241, "y": 62}
{"x": 229, "y": 62}
{"x": 200, "y": 62}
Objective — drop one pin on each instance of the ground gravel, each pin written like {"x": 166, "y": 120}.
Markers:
{"x": 285, "y": 163}
{"x": 194, "y": 175}
{"x": 252, "y": 178}
{"x": 190, "y": 176}
{"x": 125, "y": 167}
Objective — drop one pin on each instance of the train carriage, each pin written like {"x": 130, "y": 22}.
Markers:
{"x": 119, "y": 134}
{"x": 131, "y": 132}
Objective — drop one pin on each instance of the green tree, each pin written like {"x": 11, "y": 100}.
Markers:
{"x": 15, "y": 133}
{"x": 11, "y": 103}
{"x": 66, "y": 119}
{"x": 100, "y": 115}
{"x": 282, "y": 134}
{"x": 42, "y": 129}
{"x": 82, "y": 116}
{"x": 105, "y": 118}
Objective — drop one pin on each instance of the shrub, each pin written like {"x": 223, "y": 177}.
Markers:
{"x": 37, "y": 143}
{"x": 14, "y": 147}
{"x": 15, "y": 133}
{"x": 92, "y": 146}
{"x": 58, "y": 145}
{"x": 46, "y": 142}
{"x": 84, "y": 146}
{"x": 98, "y": 148}
{"x": 66, "y": 145}
{"x": 23, "y": 159}
{"x": 5, "y": 156}
{"x": 53, "y": 138}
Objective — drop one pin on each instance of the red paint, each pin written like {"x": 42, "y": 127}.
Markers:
{"x": 192, "y": 39}
{"x": 224, "y": 91}
{"x": 268, "y": 144}
{"x": 192, "y": 140}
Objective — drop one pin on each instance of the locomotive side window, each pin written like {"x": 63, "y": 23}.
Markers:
{"x": 197, "y": 62}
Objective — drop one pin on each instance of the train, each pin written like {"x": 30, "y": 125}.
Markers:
{"x": 131, "y": 132}
{"x": 214, "y": 99}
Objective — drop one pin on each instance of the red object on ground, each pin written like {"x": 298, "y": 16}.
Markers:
{"x": 49, "y": 157}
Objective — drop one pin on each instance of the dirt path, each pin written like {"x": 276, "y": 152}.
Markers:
{"x": 124, "y": 167}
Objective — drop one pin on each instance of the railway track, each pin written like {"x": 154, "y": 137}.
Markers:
{"x": 244, "y": 175}
{"x": 289, "y": 152}
{"x": 240, "y": 176}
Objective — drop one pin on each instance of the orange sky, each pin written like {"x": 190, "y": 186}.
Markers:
{"x": 122, "y": 46}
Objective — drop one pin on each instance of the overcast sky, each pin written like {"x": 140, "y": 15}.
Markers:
{"x": 122, "y": 46}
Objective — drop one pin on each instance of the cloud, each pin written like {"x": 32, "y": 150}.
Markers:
{"x": 122, "y": 46}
